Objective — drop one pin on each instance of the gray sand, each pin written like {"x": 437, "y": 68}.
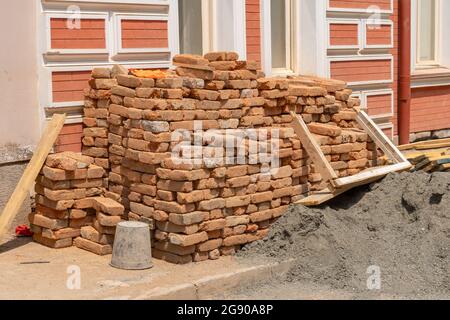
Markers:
{"x": 401, "y": 225}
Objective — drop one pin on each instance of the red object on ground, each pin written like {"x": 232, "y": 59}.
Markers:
{"x": 23, "y": 231}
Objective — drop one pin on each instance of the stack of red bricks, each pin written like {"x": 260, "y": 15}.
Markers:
{"x": 208, "y": 156}
{"x": 64, "y": 183}
{"x": 207, "y": 206}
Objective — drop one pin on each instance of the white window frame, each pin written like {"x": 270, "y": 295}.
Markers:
{"x": 366, "y": 23}
{"x": 56, "y": 60}
{"x": 356, "y": 22}
{"x": 354, "y": 10}
{"x": 292, "y": 31}
{"x": 436, "y": 61}
{"x": 208, "y": 25}
{"x": 118, "y": 17}
{"x": 387, "y": 57}
{"x": 84, "y": 15}
{"x": 381, "y": 92}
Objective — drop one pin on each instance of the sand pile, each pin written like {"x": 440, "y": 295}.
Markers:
{"x": 401, "y": 225}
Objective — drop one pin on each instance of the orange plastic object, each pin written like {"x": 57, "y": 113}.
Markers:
{"x": 154, "y": 74}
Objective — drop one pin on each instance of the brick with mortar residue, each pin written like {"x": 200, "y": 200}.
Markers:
{"x": 48, "y": 223}
{"x": 235, "y": 240}
{"x": 326, "y": 130}
{"x": 262, "y": 197}
{"x": 128, "y": 81}
{"x": 188, "y": 219}
{"x": 188, "y": 240}
{"x": 212, "y": 204}
{"x": 213, "y": 225}
{"x": 56, "y": 205}
{"x": 175, "y": 249}
{"x": 123, "y": 91}
{"x": 169, "y": 227}
{"x": 108, "y": 206}
{"x": 170, "y": 257}
{"x": 175, "y": 186}
{"x": 173, "y": 207}
{"x": 93, "y": 247}
{"x": 108, "y": 221}
{"x": 237, "y": 171}
{"x": 238, "y": 201}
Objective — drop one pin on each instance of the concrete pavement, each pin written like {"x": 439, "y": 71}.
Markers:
{"x": 31, "y": 271}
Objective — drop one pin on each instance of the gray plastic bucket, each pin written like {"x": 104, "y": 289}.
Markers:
{"x": 132, "y": 248}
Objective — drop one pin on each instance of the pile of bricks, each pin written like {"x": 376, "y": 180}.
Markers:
{"x": 207, "y": 156}
{"x": 99, "y": 236}
{"x": 64, "y": 183}
{"x": 328, "y": 109}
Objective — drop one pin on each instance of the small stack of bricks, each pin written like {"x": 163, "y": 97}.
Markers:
{"x": 193, "y": 154}
{"x": 65, "y": 181}
{"x": 98, "y": 238}
{"x": 96, "y": 104}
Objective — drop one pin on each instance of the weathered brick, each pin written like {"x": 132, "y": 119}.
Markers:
{"x": 188, "y": 218}
{"x": 93, "y": 247}
{"x": 188, "y": 240}
{"x": 213, "y": 225}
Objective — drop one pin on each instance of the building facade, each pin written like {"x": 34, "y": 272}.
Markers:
{"x": 50, "y": 46}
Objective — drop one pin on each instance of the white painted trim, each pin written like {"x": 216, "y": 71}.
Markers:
{"x": 240, "y": 28}
{"x": 382, "y": 92}
{"x": 363, "y": 58}
{"x": 66, "y": 104}
{"x": 84, "y": 15}
{"x": 384, "y": 126}
{"x": 356, "y": 22}
{"x": 82, "y": 60}
{"x": 266, "y": 27}
{"x": 146, "y": 2}
{"x": 365, "y": 24}
{"x": 117, "y": 20}
{"x": 354, "y": 10}
{"x": 209, "y": 26}
{"x": 173, "y": 21}
{"x": 141, "y": 6}
{"x": 436, "y": 60}
{"x": 359, "y": 95}
{"x": 292, "y": 32}
{"x": 321, "y": 37}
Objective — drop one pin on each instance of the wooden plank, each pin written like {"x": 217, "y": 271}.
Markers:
{"x": 327, "y": 194}
{"x": 435, "y": 145}
{"x": 370, "y": 174}
{"x": 321, "y": 197}
{"x": 26, "y": 182}
{"x": 312, "y": 148}
{"x": 422, "y": 144}
{"x": 378, "y": 136}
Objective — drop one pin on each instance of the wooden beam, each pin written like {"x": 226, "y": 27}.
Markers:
{"x": 312, "y": 148}
{"x": 323, "y": 196}
{"x": 378, "y": 136}
{"x": 422, "y": 144}
{"x": 26, "y": 182}
{"x": 370, "y": 175}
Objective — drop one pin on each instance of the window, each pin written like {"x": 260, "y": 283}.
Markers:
{"x": 281, "y": 35}
{"x": 428, "y": 32}
{"x": 191, "y": 26}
